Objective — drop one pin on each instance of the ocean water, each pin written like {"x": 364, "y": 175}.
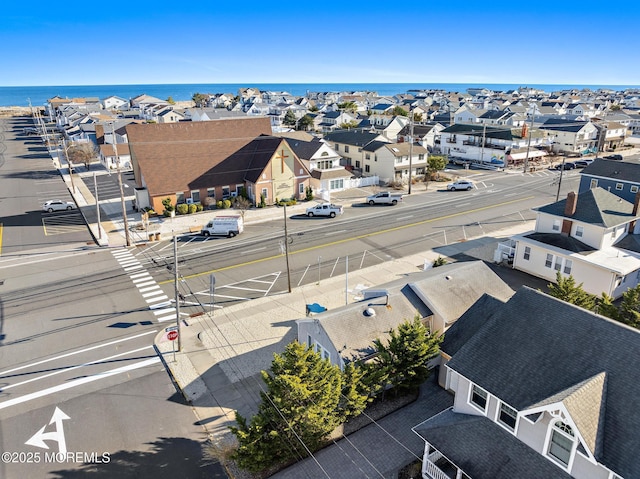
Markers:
{"x": 38, "y": 95}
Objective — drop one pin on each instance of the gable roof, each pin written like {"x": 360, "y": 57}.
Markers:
{"x": 173, "y": 155}
{"x": 485, "y": 450}
{"x": 595, "y": 206}
{"x": 558, "y": 124}
{"x": 535, "y": 349}
{"x": 352, "y": 137}
{"x": 616, "y": 170}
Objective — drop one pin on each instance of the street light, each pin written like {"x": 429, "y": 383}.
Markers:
{"x": 124, "y": 206}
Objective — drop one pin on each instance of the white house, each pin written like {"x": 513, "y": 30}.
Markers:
{"x": 572, "y": 136}
{"x": 391, "y": 161}
{"x": 543, "y": 389}
{"x": 592, "y": 236}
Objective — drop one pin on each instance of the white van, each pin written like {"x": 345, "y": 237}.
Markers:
{"x": 223, "y": 226}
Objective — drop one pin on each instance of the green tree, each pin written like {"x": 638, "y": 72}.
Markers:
{"x": 313, "y": 108}
{"x": 301, "y": 404}
{"x": 435, "y": 164}
{"x": 200, "y": 99}
{"x": 417, "y": 116}
{"x": 305, "y": 123}
{"x": 404, "y": 357}
{"x": 399, "y": 111}
{"x": 349, "y": 124}
{"x": 439, "y": 261}
{"x": 348, "y": 106}
{"x": 615, "y": 107}
{"x": 355, "y": 393}
{"x": 629, "y": 310}
{"x": 290, "y": 118}
{"x": 567, "y": 290}
{"x": 171, "y": 101}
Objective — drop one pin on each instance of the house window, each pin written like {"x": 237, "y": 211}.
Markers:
{"x": 309, "y": 340}
{"x": 558, "y": 263}
{"x": 301, "y": 189}
{"x": 549, "y": 261}
{"x": 579, "y": 231}
{"x": 367, "y": 156}
{"x": 195, "y": 196}
{"x": 265, "y": 193}
{"x": 367, "y": 169}
{"x": 634, "y": 188}
{"x": 556, "y": 225}
{"x": 336, "y": 184}
{"x": 619, "y": 186}
{"x": 357, "y": 163}
{"x": 479, "y": 397}
{"x": 225, "y": 192}
{"x": 527, "y": 253}
{"x": 179, "y": 197}
{"x": 567, "y": 266}
{"x": 337, "y": 148}
{"x": 346, "y": 148}
{"x": 507, "y": 416}
{"x": 211, "y": 192}
{"x": 593, "y": 184}
{"x": 421, "y": 157}
{"x": 561, "y": 443}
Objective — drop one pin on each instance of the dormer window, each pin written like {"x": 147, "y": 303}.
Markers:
{"x": 562, "y": 443}
{"x": 508, "y": 416}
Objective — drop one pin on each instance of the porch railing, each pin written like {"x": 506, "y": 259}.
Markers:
{"x": 429, "y": 468}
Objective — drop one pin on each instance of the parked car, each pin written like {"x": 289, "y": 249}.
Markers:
{"x": 325, "y": 209}
{"x": 583, "y": 163}
{"x": 567, "y": 165}
{"x": 384, "y": 198}
{"x": 460, "y": 185}
{"x": 223, "y": 226}
{"x": 613, "y": 157}
{"x": 57, "y": 205}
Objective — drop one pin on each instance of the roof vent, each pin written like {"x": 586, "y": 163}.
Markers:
{"x": 448, "y": 277}
{"x": 369, "y": 312}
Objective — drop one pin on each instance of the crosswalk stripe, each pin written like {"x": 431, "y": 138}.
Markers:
{"x": 140, "y": 280}
{"x": 164, "y": 311}
{"x": 159, "y": 298}
{"x": 164, "y": 304}
{"x": 166, "y": 318}
{"x": 131, "y": 268}
{"x": 137, "y": 275}
{"x": 150, "y": 288}
{"x": 153, "y": 293}
{"x": 146, "y": 283}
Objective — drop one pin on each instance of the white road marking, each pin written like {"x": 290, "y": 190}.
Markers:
{"x": 510, "y": 194}
{"x": 90, "y": 363}
{"x": 164, "y": 311}
{"x": 146, "y": 283}
{"x": 166, "y": 318}
{"x": 138, "y": 275}
{"x": 80, "y": 351}
{"x": 156, "y": 299}
{"x": 143, "y": 279}
{"x": 150, "y": 288}
{"x": 462, "y": 204}
{"x": 255, "y": 250}
{"x": 126, "y": 264}
{"x": 153, "y": 293}
{"x": 404, "y": 218}
{"x": 133, "y": 267}
{"x": 77, "y": 382}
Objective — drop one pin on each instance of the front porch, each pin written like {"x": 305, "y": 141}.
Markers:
{"x": 436, "y": 466}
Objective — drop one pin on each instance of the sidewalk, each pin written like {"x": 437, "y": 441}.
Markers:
{"x": 218, "y": 368}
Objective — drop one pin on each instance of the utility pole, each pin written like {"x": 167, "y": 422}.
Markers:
{"x": 124, "y": 205}
{"x": 286, "y": 247}
{"x": 484, "y": 132}
{"x": 410, "y": 149}
{"x": 66, "y": 157}
{"x": 560, "y": 180}
{"x": 526, "y": 158}
{"x": 176, "y": 292}
{"x": 95, "y": 188}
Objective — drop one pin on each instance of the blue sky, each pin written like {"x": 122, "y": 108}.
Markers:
{"x": 136, "y": 42}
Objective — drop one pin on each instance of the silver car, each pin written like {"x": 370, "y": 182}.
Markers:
{"x": 460, "y": 185}
{"x": 57, "y": 205}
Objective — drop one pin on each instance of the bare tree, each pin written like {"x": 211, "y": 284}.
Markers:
{"x": 242, "y": 204}
{"x": 83, "y": 152}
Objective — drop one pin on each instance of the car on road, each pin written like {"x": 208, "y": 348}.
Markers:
{"x": 57, "y": 205}
{"x": 460, "y": 185}
{"x": 567, "y": 165}
{"x": 325, "y": 209}
{"x": 613, "y": 157}
{"x": 583, "y": 163}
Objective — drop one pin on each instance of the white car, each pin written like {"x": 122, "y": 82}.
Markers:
{"x": 460, "y": 185}
{"x": 57, "y": 205}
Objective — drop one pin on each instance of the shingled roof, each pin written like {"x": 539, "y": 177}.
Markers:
{"x": 613, "y": 169}
{"x": 173, "y": 155}
{"x": 537, "y": 350}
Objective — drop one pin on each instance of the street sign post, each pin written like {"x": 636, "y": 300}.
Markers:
{"x": 172, "y": 336}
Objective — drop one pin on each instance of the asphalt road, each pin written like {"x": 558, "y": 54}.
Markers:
{"x": 253, "y": 264}
{"x": 28, "y": 179}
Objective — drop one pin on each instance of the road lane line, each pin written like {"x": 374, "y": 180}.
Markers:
{"x": 71, "y": 368}
{"x": 4, "y": 373}
{"x": 77, "y": 382}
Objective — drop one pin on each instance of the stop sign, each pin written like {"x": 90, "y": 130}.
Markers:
{"x": 172, "y": 335}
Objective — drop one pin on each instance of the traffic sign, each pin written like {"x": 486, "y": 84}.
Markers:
{"x": 171, "y": 328}
{"x": 172, "y": 335}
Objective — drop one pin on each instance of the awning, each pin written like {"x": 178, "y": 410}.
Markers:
{"x": 523, "y": 155}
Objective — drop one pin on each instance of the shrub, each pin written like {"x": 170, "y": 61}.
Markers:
{"x": 166, "y": 213}
{"x": 192, "y": 208}
{"x": 309, "y": 193}
{"x": 199, "y": 207}
{"x": 226, "y": 204}
{"x": 219, "y": 204}
{"x": 182, "y": 209}
{"x": 263, "y": 202}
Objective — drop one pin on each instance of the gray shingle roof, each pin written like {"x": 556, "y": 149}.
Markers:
{"x": 351, "y": 137}
{"x": 484, "y": 450}
{"x": 596, "y": 206}
{"x": 616, "y": 170}
{"x": 536, "y": 347}
{"x": 558, "y": 124}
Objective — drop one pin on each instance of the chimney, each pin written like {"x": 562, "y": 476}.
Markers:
{"x": 634, "y": 212}
{"x": 569, "y": 210}
{"x": 570, "y": 206}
